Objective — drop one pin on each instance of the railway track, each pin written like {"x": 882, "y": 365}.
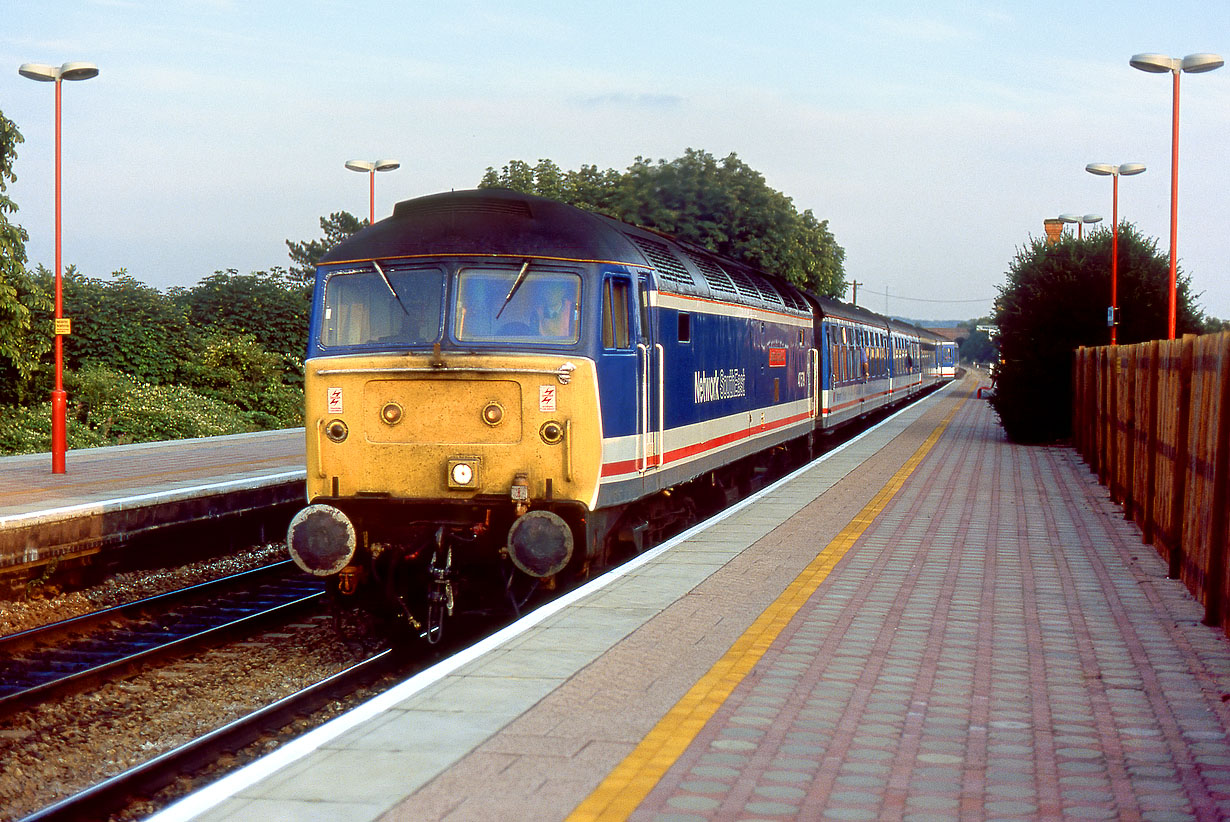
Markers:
{"x": 49, "y": 661}
{"x": 103, "y": 799}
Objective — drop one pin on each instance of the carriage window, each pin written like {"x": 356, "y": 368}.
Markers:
{"x": 685, "y": 327}
{"x": 522, "y": 304}
{"x": 403, "y": 307}
{"x": 615, "y": 299}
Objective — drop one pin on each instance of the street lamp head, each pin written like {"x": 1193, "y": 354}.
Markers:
{"x": 1070, "y": 218}
{"x": 40, "y": 72}
{"x": 1108, "y": 170}
{"x": 1091, "y": 218}
{"x": 1161, "y": 63}
{"x": 51, "y": 74}
{"x": 1196, "y": 63}
{"x": 78, "y": 71}
{"x": 1156, "y": 63}
{"x": 387, "y": 165}
{"x": 360, "y": 165}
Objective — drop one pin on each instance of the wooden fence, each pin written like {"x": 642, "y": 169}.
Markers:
{"x": 1153, "y": 421}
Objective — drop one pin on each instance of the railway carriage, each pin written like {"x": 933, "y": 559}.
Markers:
{"x": 946, "y": 355}
{"x": 501, "y": 389}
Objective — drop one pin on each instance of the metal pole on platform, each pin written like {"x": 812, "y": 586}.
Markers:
{"x": 1160, "y": 64}
{"x": 371, "y": 167}
{"x": 59, "y": 399}
{"x": 1112, "y": 316}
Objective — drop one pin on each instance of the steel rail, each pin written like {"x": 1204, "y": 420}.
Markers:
{"x": 53, "y": 663}
{"x": 98, "y": 801}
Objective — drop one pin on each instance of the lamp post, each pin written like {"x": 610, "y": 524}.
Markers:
{"x": 1160, "y": 64}
{"x": 1080, "y": 221}
{"x": 59, "y": 399}
{"x": 1126, "y": 169}
{"x": 371, "y": 167}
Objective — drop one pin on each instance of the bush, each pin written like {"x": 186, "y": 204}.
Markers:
{"x": 1054, "y": 302}
{"x": 106, "y": 408}
{"x": 236, "y": 370}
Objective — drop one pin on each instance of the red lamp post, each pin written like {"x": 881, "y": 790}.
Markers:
{"x": 59, "y": 399}
{"x": 371, "y": 168}
{"x": 1160, "y": 64}
{"x": 1112, "y": 316}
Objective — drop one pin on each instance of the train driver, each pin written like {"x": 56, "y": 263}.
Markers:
{"x": 557, "y": 312}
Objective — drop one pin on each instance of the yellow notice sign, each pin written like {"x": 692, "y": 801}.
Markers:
{"x": 63, "y": 326}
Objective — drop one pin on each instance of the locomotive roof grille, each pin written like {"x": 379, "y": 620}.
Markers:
{"x": 713, "y": 273}
{"x": 664, "y": 261}
{"x": 767, "y": 291}
{"x": 744, "y": 283}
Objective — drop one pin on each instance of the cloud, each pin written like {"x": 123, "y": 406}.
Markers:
{"x": 642, "y": 101}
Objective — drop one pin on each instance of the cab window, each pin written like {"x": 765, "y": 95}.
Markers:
{"x": 517, "y": 305}
{"x": 616, "y": 304}
{"x": 391, "y": 306}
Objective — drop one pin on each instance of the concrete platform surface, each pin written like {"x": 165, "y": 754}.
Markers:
{"x": 108, "y": 495}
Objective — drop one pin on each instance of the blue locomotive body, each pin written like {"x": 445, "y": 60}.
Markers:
{"x": 499, "y": 384}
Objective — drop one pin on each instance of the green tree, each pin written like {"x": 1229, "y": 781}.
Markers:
{"x": 337, "y": 227}
{"x": 978, "y": 346}
{"x": 1055, "y": 301}
{"x": 270, "y": 306}
{"x": 723, "y": 205}
{"x": 122, "y": 325}
{"x": 22, "y": 341}
{"x": 235, "y": 369}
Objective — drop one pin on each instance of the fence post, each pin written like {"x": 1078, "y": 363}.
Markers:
{"x": 1112, "y": 424}
{"x": 1215, "y": 582}
{"x": 1181, "y": 455}
{"x": 1078, "y": 400}
{"x": 1149, "y": 503}
{"x": 1127, "y": 402}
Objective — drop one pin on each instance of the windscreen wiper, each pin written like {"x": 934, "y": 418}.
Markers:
{"x": 392, "y": 290}
{"x": 516, "y": 284}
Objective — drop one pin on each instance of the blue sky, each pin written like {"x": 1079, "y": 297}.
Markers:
{"x": 935, "y": 138}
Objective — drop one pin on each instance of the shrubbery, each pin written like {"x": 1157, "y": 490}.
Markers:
{"x": 1054, "y": 302}
{"x": 142, "y": 365}
{"x": 106, "y": 408}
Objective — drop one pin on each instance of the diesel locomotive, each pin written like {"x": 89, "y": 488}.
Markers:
{"x": 502, "y": 389}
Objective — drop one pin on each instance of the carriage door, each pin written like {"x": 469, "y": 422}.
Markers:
{"x": 649, "y": 386}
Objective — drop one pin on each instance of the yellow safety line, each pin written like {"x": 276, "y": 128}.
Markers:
{"x": 630, "y": 782}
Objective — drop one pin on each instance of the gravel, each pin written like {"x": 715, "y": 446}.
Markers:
{"x": 55, "y": 750}
{"x": 52, "y": 605}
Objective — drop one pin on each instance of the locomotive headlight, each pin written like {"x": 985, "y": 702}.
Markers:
{"x": 493, "y": 413}
{"x": 551, "y": 432}
{"x": 336, "y": 430}
{"x": 463, "y": 472}
{"x": 391, "y": 414}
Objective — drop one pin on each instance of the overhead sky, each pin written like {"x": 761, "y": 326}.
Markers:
{"x": 934, "y": 137}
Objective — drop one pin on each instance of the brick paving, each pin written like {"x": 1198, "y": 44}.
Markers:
{"x": 998, "y": 645}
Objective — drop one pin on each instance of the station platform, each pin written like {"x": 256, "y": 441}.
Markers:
{"x": 928, "y": 623}
{"x": 109, "y": 495}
